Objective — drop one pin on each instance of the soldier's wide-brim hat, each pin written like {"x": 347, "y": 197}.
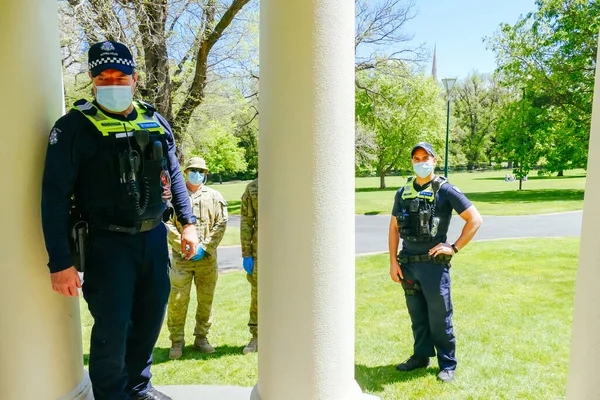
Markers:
{"x": 196, "y": 162}
{"x": 110, "y": 55}
{"x": 425, "y": 146}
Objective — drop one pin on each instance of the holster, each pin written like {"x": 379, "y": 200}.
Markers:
{"x": 79, "y": 244}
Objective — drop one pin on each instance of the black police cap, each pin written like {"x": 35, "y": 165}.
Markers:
{"x": 425, "y": 146}
{"x": 110, "y": 55}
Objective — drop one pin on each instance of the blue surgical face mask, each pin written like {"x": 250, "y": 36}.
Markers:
{"x": 114, "y": 98}
{"x": 195, "y": 177}
{"x": 423, "y": 169}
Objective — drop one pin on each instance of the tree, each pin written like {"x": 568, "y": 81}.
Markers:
{"x": 217, "y": 144}
{"x": 379, "y": 33}
{"x": 400, "y": 108}
{"x": 551, "y": 54}
{"x": 477, "y": 102}
{"x": 522, "y": 135}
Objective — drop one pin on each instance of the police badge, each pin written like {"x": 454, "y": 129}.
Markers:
{"x": 107, "y": 46}
{"x": 54, "y": 136}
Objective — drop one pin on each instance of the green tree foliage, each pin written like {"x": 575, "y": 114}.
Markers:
{"x": 522, "y": 135}
{"x": 551, "y": 54}
{"x": 218, "y": 145}
{"x": 477, "y": 102}
{"x": 399, "y": 107}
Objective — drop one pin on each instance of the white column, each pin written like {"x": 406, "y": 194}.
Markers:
{"x": 582, "y": 382}
{"x": 306, "y": 200}
{"x": 40, "y": 346}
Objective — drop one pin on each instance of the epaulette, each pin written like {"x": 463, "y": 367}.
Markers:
{"x": 86, "y": 107}
{"x": 437, "y": 183}
{"x": 150, "y": 110}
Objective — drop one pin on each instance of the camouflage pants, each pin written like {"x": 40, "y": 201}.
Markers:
{"x": 204, "y": 273}
{"x": 253, "y": 279}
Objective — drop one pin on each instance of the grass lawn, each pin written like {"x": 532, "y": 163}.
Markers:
{"x": 513, "y": 310}
{"x": 487, "y": 190}
{"x": 231, "y": 237}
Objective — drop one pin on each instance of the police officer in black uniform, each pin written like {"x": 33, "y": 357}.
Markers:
{"x": 421, "y": 216}
{"x": 111, "y": 168}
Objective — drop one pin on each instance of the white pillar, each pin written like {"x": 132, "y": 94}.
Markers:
{"x": 306, "y": 198}
{"x": 585, "y": 341}
{"x": 40, "y": 346}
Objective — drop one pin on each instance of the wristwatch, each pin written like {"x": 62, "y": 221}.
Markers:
{"x": 189, "y": 221}
{"x": 454, "y": 248}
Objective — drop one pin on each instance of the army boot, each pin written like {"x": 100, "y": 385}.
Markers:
{"x": 252, "y": 347}
{"x": 201, "y": 344}
{"x": 176, "y": 350}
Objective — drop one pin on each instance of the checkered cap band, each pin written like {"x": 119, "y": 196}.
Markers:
{"x": 111, "y": 60}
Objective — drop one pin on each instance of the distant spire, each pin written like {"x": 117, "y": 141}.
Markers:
{"x": 434, "y": 67}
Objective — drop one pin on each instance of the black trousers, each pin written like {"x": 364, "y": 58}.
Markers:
{"x": 430, "y": 310}
{"x": 126, "y": 286}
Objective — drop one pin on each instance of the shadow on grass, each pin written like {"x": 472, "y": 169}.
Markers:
{"x": 373, "y": 213}
{"x": 526, "y": 196}
{"x": 532, "y": 178}
{"x": 374, "y": 379}
{"x": 161, "y": 354}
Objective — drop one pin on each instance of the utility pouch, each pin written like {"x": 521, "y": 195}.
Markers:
{"x": 410, "y": 288}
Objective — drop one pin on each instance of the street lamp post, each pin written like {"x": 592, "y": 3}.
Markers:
{"x": 448, "y": 84}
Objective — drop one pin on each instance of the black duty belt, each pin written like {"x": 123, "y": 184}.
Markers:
{"x": 141, "y": 226}
{"x": 439, "y": 259}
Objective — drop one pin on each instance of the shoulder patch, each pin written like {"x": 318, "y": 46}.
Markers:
{"x": 457, "y": 189}
{"x": 53, "y": 139}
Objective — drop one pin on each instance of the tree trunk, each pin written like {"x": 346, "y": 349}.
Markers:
{"x": 382, "y": 179}
{"x": 195, "y": 95}
{"x": 152, "y": 17}
{"x": 521, "y": 184}
{"x": 561, "y": 173}
{"x": 510, "y": 164}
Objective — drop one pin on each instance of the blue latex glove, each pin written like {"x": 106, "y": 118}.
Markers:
{"x": 248, "y": 264}
{"x": 199, "y": 254}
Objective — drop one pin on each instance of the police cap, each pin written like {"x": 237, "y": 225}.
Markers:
{"x": 425, "y": 146}
{"x": 110, "y": 55}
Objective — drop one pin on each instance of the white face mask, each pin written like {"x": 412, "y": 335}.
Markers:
{"x": 114, "y": 98}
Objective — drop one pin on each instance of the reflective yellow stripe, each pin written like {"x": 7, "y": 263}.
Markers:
{"x": 107, "y": 125}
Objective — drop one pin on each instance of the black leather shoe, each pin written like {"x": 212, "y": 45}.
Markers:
{"x": 446, "y": 375}
{"x": 413, "y": 363}
{"x": 152, "y": 394}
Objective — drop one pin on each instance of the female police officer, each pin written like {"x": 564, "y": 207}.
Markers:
{"x": 421, "y": 216}
{"x": 116, "y": 158}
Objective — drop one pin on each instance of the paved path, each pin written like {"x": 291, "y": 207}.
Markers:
{"x": 372, "y": 230}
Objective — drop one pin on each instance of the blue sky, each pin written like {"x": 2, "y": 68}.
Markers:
{"x": 458, "y": 26}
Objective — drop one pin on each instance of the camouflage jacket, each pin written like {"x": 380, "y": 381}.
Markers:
{"x": 210, "y": 210}
{"x": 249, "y": 220}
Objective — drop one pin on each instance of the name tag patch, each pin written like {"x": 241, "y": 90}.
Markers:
{"x": 148, "y": 125}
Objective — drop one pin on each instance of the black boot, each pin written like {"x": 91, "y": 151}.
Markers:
{"x": 412, "y": 363}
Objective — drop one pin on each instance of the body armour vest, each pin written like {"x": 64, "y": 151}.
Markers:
{"x": 417, "y": 221}
{"x": 127, "y": 180}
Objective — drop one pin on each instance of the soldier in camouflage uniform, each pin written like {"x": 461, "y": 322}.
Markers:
{"x": 210, "y": 209}
{"x": 249, "y": 239}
